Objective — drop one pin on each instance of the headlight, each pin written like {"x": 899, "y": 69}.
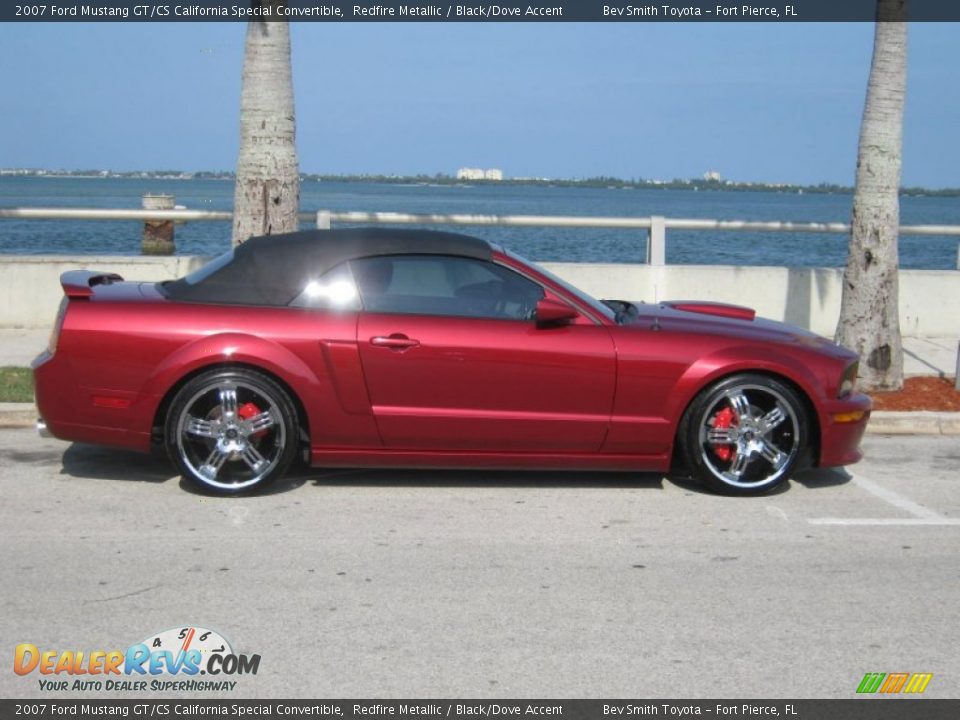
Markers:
{"x": 848, "y": 383}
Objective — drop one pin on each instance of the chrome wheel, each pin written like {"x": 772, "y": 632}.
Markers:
{"x": 745, "y": 435}
{"x": 231, "y": 431}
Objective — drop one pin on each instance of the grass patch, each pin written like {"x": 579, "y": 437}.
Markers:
{"x": 16, "y": 384}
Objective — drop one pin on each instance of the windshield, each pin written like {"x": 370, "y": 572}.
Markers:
{"x": 587, "y": 300}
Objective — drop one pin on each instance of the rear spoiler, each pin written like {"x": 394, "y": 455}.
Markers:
{"x": 80, "y": 283}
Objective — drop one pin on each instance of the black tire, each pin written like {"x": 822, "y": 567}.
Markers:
{"x": 231, "y": 431}
{"x": 744, "y": 435}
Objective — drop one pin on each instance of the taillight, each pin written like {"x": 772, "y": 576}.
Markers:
{"x": 57, "y": 325}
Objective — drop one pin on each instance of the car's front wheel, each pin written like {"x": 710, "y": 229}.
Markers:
{"x": 231, "y": 431}
{"x": 744, "y": 435}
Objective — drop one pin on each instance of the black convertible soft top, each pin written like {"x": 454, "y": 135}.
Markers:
{"x": 274, "y": 269}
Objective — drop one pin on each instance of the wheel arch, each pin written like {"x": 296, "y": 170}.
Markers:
{"x": 163, "y": 408}
{"x": 809, "y": 408}
{"x": 790, "y": 372}
{"x": 240, "y": 351}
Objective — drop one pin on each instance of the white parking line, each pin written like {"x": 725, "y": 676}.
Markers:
{"x": 883, "y": 521}
{"x": 921, "y": 515}
{"x": 895, "y": 499}
{"x": 776, "y": 512}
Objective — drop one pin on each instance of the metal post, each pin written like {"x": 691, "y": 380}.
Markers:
{"x": 956, "y": 375}
{"x": 657, "y": 241}
{"x": 323, "y": 219}
{"x": 157, "y": 234}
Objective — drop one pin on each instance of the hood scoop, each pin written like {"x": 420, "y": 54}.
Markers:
{"x": 736, "y": 312}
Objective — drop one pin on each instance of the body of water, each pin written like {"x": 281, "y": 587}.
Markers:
{"x": 36, "y": 237}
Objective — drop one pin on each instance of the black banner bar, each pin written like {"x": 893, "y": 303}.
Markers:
{"x": 873, "y": 708}
{"x": 503, "y": 11}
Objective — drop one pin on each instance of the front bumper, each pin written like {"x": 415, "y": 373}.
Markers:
{"x": 842, "y": 424}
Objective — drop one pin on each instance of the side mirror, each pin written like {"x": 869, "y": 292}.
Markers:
{"x": 553, "y": 312}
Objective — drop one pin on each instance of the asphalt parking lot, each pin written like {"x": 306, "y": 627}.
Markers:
{"x": 410, "y": 584}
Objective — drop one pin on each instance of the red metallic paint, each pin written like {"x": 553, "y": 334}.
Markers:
{"x": 475, "y": 384}
{"x": 462, "y": 393}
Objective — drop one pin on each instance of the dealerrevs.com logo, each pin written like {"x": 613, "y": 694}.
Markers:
{"x": 171, "y": 660}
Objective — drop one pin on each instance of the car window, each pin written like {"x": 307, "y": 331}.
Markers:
{"x": 335, "y": 290}
{"x": 576, "y": 292}
{"x": 444, "y": 285}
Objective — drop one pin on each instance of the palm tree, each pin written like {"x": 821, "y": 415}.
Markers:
{"x": 869, "y": 310}
{"x": 267, "y": 193}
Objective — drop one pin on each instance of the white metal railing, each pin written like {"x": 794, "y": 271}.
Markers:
{"x": 119, "y": 214}
{"x": 656, "y": 226}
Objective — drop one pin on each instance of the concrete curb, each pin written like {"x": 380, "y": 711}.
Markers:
{"x": 914, "y": 423}
{"x": 22, "y": 415}
{"x": 17, "y": 415}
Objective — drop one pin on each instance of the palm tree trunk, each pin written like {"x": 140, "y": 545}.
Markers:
{"x": 267, "y": 193}
{"x": 869, "y": 311}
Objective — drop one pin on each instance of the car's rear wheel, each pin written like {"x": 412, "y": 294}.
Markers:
{"x": 231, "y": 431}
{"x": 744, "y": 435}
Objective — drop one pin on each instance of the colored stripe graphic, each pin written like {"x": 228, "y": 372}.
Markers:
{"x": 871, "y": 682}
{"x": 918, "y": 682}
{"x": 893, "y": 683}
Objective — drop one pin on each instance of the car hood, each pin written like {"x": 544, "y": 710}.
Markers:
{"x": 721, "y": 319}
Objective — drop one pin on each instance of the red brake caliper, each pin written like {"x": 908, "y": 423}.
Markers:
{"x": 721, "y": 421}
{"x": 247, "y": 411}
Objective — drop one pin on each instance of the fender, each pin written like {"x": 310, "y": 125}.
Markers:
{"x": 731, "y": 360}
{"x": 239, "y": 348}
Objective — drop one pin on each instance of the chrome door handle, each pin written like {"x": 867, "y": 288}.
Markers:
{"x": 396, "y": 341}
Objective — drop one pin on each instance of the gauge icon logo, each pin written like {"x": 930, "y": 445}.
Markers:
{"x": 185, "y": 639}
{"x": 189, "y": 650}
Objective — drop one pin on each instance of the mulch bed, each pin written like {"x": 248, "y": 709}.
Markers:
{"x": 920, "y": 393}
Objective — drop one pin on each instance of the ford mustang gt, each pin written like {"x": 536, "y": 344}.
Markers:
{"x": 383, "y": 347}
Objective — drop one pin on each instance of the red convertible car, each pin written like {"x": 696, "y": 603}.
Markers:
{"x": 381, "y": 347}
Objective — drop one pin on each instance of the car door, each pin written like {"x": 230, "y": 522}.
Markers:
{"x": 454, "y": 361}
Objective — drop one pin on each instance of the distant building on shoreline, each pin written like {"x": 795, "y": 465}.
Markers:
{"x": 479, "y": 174}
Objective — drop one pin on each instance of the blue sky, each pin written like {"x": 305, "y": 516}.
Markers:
{"x": 766, "y": 102}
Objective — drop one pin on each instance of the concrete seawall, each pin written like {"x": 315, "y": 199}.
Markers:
{"x": 809, "y": 297}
